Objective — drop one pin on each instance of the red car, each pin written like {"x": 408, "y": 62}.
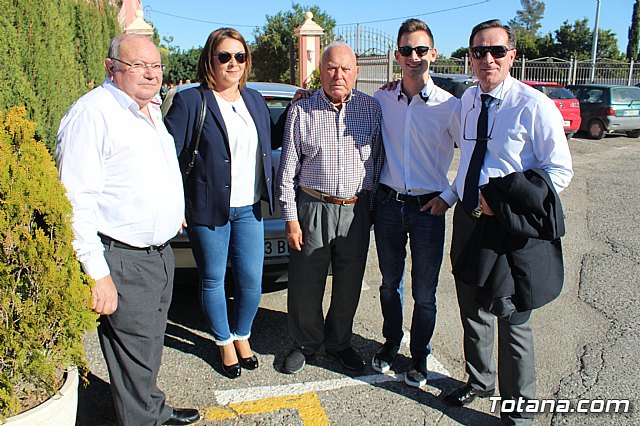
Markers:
{"x": 565, "y": 101}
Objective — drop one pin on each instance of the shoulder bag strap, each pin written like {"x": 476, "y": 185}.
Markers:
{"x": 196, "y": 139}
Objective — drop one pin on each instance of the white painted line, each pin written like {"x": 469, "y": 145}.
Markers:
{"x": 436, "y": 371}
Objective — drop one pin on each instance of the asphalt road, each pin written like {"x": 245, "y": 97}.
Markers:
{"x": 587, "y": 341}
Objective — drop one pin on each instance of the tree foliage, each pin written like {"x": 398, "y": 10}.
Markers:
{"x": 44, "y": 296}
{"x": 575, "y": 41}
{"x": 271, "y": 52}
{"x": 634, "y": 33}
{"x": 527, "y": 19}
{"x": 52, "y": 53}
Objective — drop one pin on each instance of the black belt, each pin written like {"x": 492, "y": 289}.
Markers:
{"x": 115, "y": 243}
{"x": 418, "y": 200}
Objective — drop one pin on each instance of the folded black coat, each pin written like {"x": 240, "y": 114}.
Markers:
{"x": 516, "y": 255}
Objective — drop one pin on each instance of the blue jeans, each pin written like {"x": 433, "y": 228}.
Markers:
{"x": 395, "y": 222}
{"x": 242, "y": 238}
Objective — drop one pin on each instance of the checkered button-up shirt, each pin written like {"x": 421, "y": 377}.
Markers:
{"x": 334, "y": 151}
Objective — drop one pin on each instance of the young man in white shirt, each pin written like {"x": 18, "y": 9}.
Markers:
{"x": 413, "y": 195}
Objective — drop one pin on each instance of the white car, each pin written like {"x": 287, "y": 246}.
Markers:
{"x": 276, "y": 249}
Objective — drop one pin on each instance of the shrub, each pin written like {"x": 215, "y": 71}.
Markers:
{"x": 44, "y": 296}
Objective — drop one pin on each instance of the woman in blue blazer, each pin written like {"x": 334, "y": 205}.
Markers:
{"x": 231, "y": 174}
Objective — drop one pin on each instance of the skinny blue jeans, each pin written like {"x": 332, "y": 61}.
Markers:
{"x": 395, "y": 223}
{"x": 242, "y": 239}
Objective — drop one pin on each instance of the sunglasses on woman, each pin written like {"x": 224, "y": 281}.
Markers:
{"x": 225, "y": 57}
{"x": 498, "y": 52}
{"x": 407, "y": 50}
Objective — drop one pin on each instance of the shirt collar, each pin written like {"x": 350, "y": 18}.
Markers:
{"x": 500, "y": 92}
{"x": 424, "y": 93}
{"x": 123, "y": 99}
{"x": 326, "y": 98}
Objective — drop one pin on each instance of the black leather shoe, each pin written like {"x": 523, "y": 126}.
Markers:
{"x": 232, "y": 371}
{"x": 349, "y": 358}
{"x": 250, "y": 363}
{"x": 465, "y": 394}
{"x": 183, "y": 416}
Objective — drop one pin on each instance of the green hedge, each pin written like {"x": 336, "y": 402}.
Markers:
{"x": 52, "y": 52}
{"x": 44, "y": 296}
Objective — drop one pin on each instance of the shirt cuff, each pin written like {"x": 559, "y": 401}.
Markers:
{"x": 96, "y": 268}
{"x": 449, "y": 197}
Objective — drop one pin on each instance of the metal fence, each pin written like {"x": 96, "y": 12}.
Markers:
{"x": 375, "y": 53}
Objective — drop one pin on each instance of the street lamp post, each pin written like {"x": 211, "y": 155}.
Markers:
{"x": 594, "y": 48}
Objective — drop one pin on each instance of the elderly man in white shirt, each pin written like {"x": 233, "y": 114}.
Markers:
{"x": 505, "y": 127}
{"x": 119, "y": 166}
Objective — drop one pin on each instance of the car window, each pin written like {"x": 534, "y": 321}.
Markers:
{"x": 592, "y": 96}
{"x": 276, "y": 107}
{"x": 625, "y": 95}
{"x": 555, "y": 92}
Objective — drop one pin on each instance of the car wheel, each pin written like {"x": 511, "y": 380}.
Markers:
{"x": 596, "y": 129}
{"x": 569, "y": 135}
{"x": 633, "y": 133}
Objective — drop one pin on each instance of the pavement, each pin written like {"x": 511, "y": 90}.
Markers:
{"x": 587, "y": 341}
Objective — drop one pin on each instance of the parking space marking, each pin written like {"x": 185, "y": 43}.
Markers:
{"x": 234, "y": 396}
{"x": 307, "y": 404}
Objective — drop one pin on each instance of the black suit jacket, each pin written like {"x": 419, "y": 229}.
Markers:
{"x": 208, "y": 188}
{"x": 516, "y": 255}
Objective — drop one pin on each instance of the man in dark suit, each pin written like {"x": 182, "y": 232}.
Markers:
{"x": 505, "y": 128}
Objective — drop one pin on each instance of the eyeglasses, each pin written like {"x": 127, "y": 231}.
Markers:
{"x": 479, "y": 52}
{"x": 407, "y": 50}
{"x": 225, "y": 57}
{"x": 141, "y": 66}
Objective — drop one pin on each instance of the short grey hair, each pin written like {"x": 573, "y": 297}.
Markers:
{"x": 334, "y": 44}
{"x": 116, "y": 42}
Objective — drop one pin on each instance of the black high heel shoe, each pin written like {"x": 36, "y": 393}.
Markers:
{"x": 250, "y": 363}
{"x": 232, "y": 371}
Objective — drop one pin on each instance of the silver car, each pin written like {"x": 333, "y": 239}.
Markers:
{"x": 276, "y": 250}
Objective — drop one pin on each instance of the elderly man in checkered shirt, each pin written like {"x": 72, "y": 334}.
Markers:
{"x": 329, "y": 167}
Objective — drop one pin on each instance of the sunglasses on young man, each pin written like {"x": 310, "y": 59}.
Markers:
{"x": 479, "y": 52}
{"x": 225, "y": 57}
{"x": 407, "y": 50}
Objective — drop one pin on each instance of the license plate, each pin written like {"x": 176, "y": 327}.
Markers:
{"x": 276, "y": 248}
{"x": 567, "y": 123}
{"x": 632, "y": 112}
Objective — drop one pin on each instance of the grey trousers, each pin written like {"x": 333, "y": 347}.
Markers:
{"x": 132, "y": 337}
{"x": 332, "y": 234}
{"x": 516, "y": 362}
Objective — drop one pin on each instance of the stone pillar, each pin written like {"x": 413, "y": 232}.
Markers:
{"x": 308, "y": 48}
{"x": 139, "y": 25}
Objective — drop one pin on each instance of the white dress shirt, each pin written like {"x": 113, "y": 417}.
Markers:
{"x": 246, "y": 163}
{"x": 417, "y": 140}
{"x": 121, "y": 174}
{"x": 525, "y": 130}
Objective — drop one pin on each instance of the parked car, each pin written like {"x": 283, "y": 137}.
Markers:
{"x": 276, "y": 249}
{"x": 566, "y": 102}
{"x": 608, "y": 108}
{"x": 456, "y": 84}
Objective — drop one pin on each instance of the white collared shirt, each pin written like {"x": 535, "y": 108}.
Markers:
{"x": 246, "y": 164}
{"x": 417, "y": 141}
{"x": 526, "y": 131}
{"x": 121, "y": 174}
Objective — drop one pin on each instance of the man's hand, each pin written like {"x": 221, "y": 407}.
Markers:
{"x": 301, "y": 94}
{"x": 294, "y": 235}
{"x": 484, "y": 207}
{"x": 104, "y": 296}
{"x": 391, "y": 85}
{"x": 184, "y": 225}
{"x": 436, "y": 206}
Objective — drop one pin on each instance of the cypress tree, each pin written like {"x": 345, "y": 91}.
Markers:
{"x": 634, "y": 33}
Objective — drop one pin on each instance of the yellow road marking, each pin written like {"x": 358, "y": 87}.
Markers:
{"x": 307, "y": 404}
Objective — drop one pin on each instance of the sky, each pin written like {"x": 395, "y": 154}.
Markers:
{"x": 450, "y": 21}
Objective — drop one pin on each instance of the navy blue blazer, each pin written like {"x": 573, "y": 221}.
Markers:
{"x": 208, "y": 189}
